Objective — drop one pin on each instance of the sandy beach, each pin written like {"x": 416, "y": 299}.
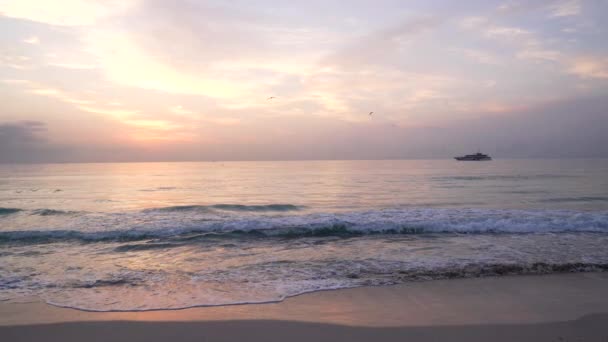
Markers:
{"x": 564, "y": 307}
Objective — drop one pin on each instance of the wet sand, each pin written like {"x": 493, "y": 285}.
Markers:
{"x": 566, "y": 307}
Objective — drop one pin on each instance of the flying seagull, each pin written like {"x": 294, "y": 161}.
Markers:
{"x": 370, "y": 113}
{"x": 270, "y": 98}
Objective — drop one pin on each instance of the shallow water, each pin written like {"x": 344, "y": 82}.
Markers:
{"x": 172, "y": 235}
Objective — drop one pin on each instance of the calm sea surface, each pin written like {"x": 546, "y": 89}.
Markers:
{"x": 174, "y": 235}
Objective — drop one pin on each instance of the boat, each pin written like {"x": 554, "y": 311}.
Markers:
{"x": 474, "y": 157}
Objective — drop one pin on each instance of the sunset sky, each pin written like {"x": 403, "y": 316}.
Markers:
{"x": 147, "y": 80}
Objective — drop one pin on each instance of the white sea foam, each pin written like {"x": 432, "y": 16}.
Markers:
{"x": 174, "y": 273}
{"x": 164, "y": 224}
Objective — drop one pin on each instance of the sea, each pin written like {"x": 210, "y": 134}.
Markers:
{"x": 157, "y": 236}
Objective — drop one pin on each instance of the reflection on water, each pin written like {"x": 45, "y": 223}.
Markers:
{"x": 319, "y": 185}
{"x": 172, "y": 235}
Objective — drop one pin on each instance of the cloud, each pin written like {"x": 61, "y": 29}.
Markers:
{"x": 79, "y": 102}
{"x": 554, "y": 8}
{"x": 19, "y": 141}
{"x": 194, "y": 48}
{"x": 371, "y": 71}
{"x": 590, "y": 67}
{"x": 58, "y": 94}
{"x": 73, "y": 66}
{"x": 30, "y": 142}
{"x": 538, "y": 53}
{"x": 480, "y": 56}
{"x": 180, "y": 110}
{"x": 162, "y": 125}
{"x": 505, "y": 32}
{"x": 123, "y": 62}
{"x": 347, "y": 92}
{"x": 21, "y": 132}
{"x": 565, "y": 128}
{"x": 236, "y": 61}
{"x": 198, "y": 116}
{"x": 472, "y": 22}
{"x": 509, "y": 6}
{"x": 200, "y": 71}
{"x": 527, "y": 43}
{"x": 550, "y": 130}
{"x": 490, "y": 30}
{"x": 64, "y": 12}
{"x": 15, "y": 61}
{"x": 376, "y": 47}
{"x": 566, "y": 8}
{"x": 122, "y": 115}
{"x": 32, "y": 40}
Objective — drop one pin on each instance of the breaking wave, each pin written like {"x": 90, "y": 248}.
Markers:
{"x": 188, "y": 223}
{"x": 51, "y": 212}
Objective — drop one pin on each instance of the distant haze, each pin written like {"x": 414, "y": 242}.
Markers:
{"x": 155, "y": 80}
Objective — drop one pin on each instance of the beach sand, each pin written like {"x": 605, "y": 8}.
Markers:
{"x": 564, "y": 307}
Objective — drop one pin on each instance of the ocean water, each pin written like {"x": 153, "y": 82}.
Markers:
{"x": 150, "y": 236}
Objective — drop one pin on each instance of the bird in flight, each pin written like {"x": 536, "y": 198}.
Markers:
{"x": 270, "y": 98}
{"x": 370, "y": 113}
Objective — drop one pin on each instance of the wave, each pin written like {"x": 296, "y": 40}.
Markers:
{"x": 501, "y": 177}
{"x": 8, "y": 211}
{"x": 575, "y": 199}
{"x": 178, "y": 208}
{"x": 160, "y": 188}
{"x": 524, "y": 192}
{"x": 491, "y": 270}
{"x": 186, "y": 234}
{"x": 181, "y": 226}
{"x": 229, "y": 207}
{"x": 105, "y": 283}
{"x": 347, "y": 278}
{"x": 49, "y": 236}
{"x": 39, "y": 212}
{"x": 268, "y": 207}
{"x": 51, "y": 212}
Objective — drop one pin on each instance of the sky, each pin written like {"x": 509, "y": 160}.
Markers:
{"x": 160, "y": 80}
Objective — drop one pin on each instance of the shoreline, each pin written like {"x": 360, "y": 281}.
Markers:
{"x": 556, "y": 307}
{"x": 511, "y": 299}
{"x": 278, "y": 301}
